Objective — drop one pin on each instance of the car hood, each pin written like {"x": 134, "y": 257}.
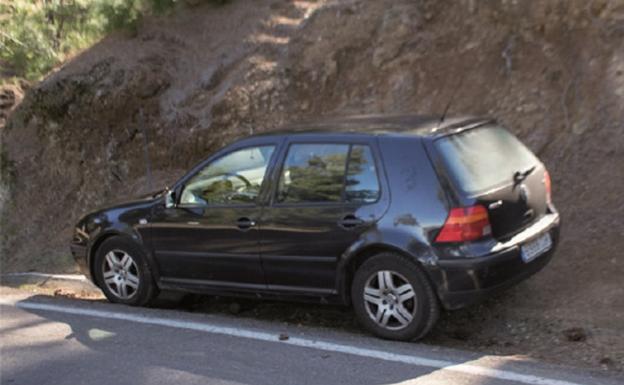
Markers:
{"x": 125, "y": 204}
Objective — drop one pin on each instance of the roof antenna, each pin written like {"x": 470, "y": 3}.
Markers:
{"x": 148, "y": 164}
{"x": 448, "y": 105}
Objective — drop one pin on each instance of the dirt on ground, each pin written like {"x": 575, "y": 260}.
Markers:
{"x": 185, "y": 84}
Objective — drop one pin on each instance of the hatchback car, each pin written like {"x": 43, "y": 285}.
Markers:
{"x": 398, "y": 216}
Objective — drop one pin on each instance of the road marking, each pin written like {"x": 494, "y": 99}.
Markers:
{"x": 66, "y": 277}
{"x": 297, "y": 341}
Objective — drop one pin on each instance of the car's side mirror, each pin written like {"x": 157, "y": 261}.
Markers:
{"x": 170, "y": 199}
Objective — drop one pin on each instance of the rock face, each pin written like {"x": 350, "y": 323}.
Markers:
{"x": 553, "y": 72}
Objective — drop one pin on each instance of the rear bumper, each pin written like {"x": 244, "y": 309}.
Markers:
{"x": 465, "y": 281}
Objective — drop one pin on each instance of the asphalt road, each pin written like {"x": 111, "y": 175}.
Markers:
{"x": 46, "y": 340}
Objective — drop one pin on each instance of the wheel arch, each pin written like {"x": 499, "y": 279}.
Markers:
{"x": 97, "y": 242}
{"x": 352, "y": 260}
{"x": 112, "y": 233}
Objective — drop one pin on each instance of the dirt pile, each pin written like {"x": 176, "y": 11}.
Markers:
{"x": 552, "y": 71}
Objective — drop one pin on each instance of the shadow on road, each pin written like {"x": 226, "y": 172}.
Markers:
{"x": 85, "y": 349}
{"x": 55, "y": 347}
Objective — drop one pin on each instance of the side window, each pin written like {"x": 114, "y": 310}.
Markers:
{"x": 234, "y": 178}
{"x": 313, "y": 173}
{"x": 362, "y": 184}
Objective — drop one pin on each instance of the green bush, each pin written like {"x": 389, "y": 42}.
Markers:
{"x": 36, "y": 35}
{"x": 118, "y": 14}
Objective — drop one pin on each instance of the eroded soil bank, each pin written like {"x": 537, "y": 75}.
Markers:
{"x": 552, "y": 71}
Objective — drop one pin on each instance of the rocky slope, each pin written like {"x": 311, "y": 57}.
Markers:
{"x": 553, "y": 71}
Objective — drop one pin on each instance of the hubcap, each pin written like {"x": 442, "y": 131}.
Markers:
{"x": 121, "y": 274}
{"x": 390, "y": 300}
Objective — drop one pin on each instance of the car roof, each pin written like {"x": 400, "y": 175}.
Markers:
{"x": 387, "y": 125}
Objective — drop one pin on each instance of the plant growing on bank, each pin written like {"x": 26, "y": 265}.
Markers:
{"x": 36, "y": 35}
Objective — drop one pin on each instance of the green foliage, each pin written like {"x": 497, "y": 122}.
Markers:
{"x": 36, "y": 35}
{"x": 161, "y": 6}
{"x": 119, "y": 14}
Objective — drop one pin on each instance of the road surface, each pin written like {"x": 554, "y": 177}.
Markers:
{"x": 46, "y": 340}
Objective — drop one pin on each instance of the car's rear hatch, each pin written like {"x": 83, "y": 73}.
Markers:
{"x": 491, "y": 167}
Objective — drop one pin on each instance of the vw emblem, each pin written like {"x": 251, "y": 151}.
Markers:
{"x": 524, "y": 193}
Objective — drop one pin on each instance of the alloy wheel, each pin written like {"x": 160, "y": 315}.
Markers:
{"x": 121, "y": 274}
{"x": 390, "y": 300}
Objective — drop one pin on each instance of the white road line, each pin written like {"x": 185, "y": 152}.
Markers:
{"x": 297, "y": 341}
{"x": 66, "y": 277}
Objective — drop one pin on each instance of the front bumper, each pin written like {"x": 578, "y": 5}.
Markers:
{"x": 465, "y": 281}
{"x": 79, "y": 252}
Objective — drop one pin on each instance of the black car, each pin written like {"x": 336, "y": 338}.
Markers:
{"x": 398, "y": 216}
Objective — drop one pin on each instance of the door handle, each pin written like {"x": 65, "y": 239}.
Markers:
{"x": 245, "y": 223}
{"x": 350, "y": 221}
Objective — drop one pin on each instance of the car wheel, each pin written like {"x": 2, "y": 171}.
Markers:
{"x": 393, "y": 299}
{"x": 121, "y": 271}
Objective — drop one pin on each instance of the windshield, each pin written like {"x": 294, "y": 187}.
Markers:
{"x": 483, "y": 158}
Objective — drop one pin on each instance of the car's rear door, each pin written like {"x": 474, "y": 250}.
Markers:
{"x": 325, "y": 195}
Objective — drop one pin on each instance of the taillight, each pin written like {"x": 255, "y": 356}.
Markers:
{"x": 548, "y": 186}
{"x": 465, "y": 224}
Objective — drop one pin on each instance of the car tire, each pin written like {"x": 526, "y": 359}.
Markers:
{"x": 123, "y": 280}
{"x": 393, "y": 299}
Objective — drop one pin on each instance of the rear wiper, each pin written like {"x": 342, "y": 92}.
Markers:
{"x": 519, "y": 176}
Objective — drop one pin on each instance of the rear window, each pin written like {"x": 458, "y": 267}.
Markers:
{"x": 483, "y": 158}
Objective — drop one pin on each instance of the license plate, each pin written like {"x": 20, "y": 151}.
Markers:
{"x": 531, "y": 250}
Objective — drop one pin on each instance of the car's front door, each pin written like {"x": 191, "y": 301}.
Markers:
{"x": 324, "y": 198}
{"x": 210, "y": 237}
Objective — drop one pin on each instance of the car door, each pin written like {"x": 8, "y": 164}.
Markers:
{"x": 314, "y": 216}
{"x": 210, "y": 236}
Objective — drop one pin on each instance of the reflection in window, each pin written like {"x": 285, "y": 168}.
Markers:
{"x": 362, "y": 184}
{"x": 484, "y": 158}
{"x": 313, "y": 173}
{"x": 232, "y": 179}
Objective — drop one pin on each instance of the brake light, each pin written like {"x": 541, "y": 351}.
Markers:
{"x": 465, "y": 224}
{"x": 548, "y": 186}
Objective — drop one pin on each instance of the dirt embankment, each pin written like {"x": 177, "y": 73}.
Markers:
{"x": 553, "y": 71}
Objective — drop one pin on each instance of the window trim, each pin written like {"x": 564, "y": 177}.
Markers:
{"x": 372, "y": 152}
{"x": 278, "y": 169}
{"x": 220, "y": 155}
{"x": 343, "y": 192}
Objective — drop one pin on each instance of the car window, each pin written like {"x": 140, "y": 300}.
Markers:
{"x": 484, "y": 157}
{"x": 313, "y": 173}
{"x": 234, "y": 178}
{"x": 362, "y": 183}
